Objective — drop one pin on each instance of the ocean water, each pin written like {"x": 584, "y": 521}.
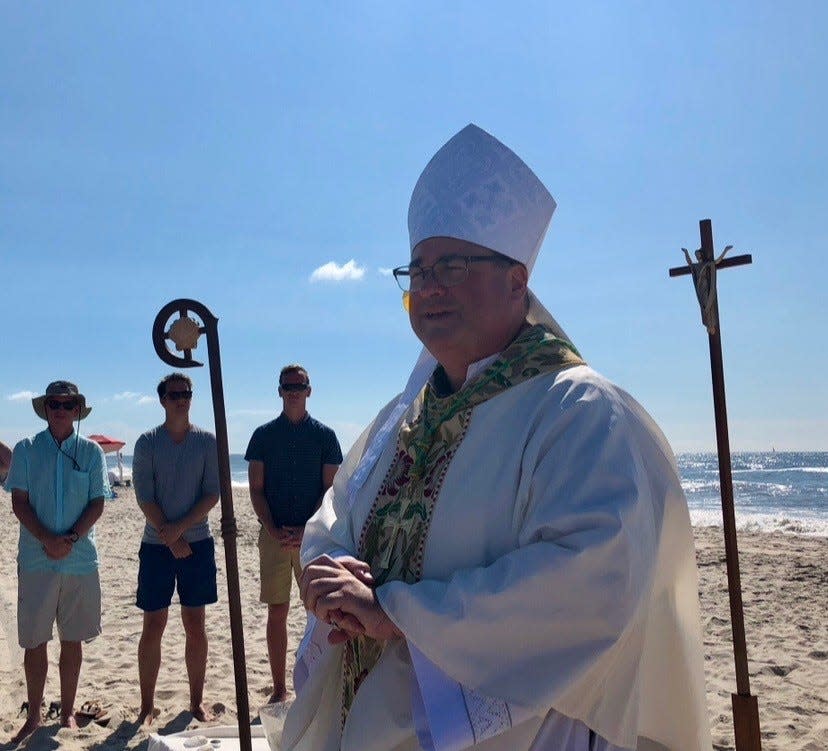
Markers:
{"x": 782, "y": 491}
{"x": 777, "y": 491}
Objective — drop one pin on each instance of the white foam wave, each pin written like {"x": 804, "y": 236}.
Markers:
{"x": 809, "y": 527}
{"x": 694, "y": 486}
{"x": 760, "y": 468}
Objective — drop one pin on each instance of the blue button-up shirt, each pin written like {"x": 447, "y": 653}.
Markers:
{"x": 58, "y": 493}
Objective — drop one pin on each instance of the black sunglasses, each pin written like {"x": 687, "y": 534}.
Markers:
{"x": 176, "y": 395}
{"x": 68, "y": 406}
{"x": 294, "y": 386}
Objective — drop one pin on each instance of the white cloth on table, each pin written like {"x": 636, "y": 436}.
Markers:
{"x": 227, "y": 734}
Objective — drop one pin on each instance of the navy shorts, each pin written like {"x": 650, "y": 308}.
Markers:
{"x": 160, "y": 572}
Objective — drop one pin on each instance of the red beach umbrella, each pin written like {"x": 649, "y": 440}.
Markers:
{"x": 108, "y": 444}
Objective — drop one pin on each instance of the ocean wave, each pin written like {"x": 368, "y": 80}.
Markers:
{"x": 811, "y": 470}
{"x": 697, "y": 486}
{"x": 808, "y": 527}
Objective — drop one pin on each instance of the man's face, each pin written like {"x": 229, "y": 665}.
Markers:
{"x": 177, "y": 399}
{"x": 290, "y": 391}
{"x": 475, "y": 318}
{"x": 57, "y": 416}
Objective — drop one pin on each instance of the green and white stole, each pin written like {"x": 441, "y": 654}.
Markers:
{"x": 394, "y": 534}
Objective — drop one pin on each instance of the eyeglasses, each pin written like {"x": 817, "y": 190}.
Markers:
{"x": 68, "y": 406}
{"x": 448, "y": 271}
{"x": 176, "y": 395}
{"x": 294, "y": 386}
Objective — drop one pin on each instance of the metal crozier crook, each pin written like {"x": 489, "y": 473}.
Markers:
{"x": 184, "y": 333}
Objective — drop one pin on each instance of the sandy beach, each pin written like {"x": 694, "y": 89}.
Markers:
{"x": 785, "y": 584}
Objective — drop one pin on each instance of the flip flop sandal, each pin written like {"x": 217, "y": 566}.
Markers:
{"x": 24, "y": 707}
{"x": 54, "y": 711}
{"x": 93, "y": 711}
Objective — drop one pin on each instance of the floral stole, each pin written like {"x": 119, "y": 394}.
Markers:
{"x": 394, "y": 534}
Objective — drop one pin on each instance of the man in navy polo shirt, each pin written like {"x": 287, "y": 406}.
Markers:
{"x": 292, "y": 463}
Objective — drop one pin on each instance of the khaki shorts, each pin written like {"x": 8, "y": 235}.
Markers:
{"x": 44, "y": 597}
{"x": 275, "y": 564}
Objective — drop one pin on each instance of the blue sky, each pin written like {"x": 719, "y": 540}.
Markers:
{"x": 225, "y": 152}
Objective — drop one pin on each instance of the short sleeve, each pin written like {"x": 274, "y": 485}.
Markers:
{"x": 255, "y": 449}
{"x": 98, "y": 479}
{"x": 18, "y": 478}
{"x": 210, "y": 484}
{"x": 142, "y": 477}
{"x": 331, "y": 452}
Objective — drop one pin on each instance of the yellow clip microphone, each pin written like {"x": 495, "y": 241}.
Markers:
{"x": 406, "y": 301}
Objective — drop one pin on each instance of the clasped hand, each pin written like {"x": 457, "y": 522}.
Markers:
{"x": 169, "y": 532}
{"x": 57, "y": 547}
{"x": 289, "y": 537}
{"x": 340, "y": 592}
{"x": 171, "y": 535}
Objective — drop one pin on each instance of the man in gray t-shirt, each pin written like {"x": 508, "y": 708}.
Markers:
{"x": 175, "y": 476}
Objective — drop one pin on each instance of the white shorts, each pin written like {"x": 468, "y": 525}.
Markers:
{"x": 44, "y": 597}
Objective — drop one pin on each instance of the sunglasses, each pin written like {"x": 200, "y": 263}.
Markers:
{"x": 176, "y": 395}
{"x": 294, "y": 386}
{"x": 68, "y": 406}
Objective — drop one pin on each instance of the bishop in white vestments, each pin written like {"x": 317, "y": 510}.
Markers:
{"x": 505, "y": 559}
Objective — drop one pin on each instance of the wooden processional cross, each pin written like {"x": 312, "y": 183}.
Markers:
{"x": 703, "y": 271}
{"x": 184, "y": 333}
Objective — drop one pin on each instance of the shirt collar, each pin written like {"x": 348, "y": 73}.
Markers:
{"x": 284, "y": 418}
{"x": 49, "y": 438}
{"x": 439, "y": 381}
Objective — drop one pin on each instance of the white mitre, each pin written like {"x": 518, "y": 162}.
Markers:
{"x": 475, "y": 189}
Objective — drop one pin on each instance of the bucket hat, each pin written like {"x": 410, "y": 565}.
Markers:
{"x": 60, "y": 388}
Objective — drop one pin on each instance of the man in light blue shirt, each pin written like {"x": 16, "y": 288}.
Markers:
{"x": 58, "y": 484}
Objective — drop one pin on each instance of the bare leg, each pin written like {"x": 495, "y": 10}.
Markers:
{"x": 35, "y": 665}
{"x": 195, "y": 656}
{"x": 149, "y": 661}
{"x": 71, "y": 657}
{"x": 277, "y": 648}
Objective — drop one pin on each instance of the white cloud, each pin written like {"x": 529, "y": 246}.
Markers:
{"x": 333, "y": 272}
{"x": 21, "y": 395}
{"x": 133, "y": 397}
{"x": 385, "y": 272}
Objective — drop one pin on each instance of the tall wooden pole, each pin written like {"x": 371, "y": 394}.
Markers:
{"x": 185, "y": 340}
{"x": 745, "y": 706}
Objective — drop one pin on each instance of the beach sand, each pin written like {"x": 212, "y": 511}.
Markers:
{"x": 784, "y": 578}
